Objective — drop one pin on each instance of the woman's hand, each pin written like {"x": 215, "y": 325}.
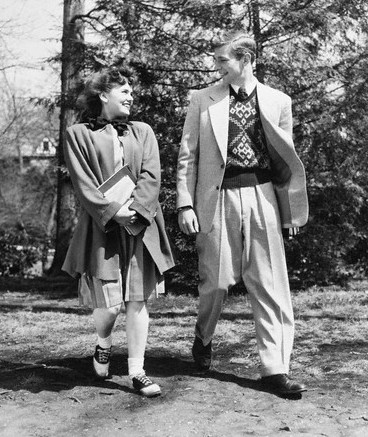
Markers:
{"x": 126, "y": 216}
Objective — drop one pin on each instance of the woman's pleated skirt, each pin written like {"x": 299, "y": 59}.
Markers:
{"x": 139, "y": 278}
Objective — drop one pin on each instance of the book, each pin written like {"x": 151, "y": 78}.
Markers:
{"x": 119, "y": 188}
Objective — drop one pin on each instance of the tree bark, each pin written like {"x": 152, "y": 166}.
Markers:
{"x": 72, "y": 51}
{"x": 260, "y": 70}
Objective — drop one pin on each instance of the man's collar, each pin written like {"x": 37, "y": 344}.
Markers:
{"x": 249, "y": 87}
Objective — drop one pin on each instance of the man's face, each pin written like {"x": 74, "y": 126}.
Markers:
{"x": 228, "y": 65}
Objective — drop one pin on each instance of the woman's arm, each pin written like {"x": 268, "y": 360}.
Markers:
{"x": 85, "y": 178}
{"x": 146, "y": 193}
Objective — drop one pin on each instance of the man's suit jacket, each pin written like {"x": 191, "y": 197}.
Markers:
{"x": 203, "y": 153}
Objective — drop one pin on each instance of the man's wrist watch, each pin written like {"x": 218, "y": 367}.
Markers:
{"x": 183, "y": 208}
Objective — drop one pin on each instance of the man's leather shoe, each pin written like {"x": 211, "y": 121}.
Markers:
{"x": 202, "y": 354}
{"x": 282, "y": 384}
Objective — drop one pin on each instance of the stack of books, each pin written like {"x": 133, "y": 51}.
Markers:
{"x": 119, "y": 188}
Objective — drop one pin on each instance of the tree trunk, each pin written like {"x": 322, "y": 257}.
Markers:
{"x": 260, "y": 70}
{"x": 52, "y": 217}
{"x": 20, "y": 156}
{"x": 72, "y": 51}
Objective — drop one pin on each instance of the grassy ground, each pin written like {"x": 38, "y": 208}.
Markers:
{"x": 47, "y": 388}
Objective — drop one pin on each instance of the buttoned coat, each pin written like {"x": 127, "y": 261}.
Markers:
{"x": 90, "y": 156}
{"x": 203, "y": 154}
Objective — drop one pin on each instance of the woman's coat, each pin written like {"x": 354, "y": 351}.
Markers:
{"x": 91, "y": 159}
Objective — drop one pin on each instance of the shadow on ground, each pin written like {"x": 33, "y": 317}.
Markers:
{"x": 67, "y": 373}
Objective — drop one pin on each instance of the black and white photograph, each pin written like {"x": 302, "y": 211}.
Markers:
{"x": 184, "y": 218}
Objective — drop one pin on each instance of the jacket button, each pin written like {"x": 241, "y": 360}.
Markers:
{"x": 222, "y": 165}
{"x": 217, "y": 188}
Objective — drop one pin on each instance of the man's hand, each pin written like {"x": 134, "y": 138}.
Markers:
{"x": 290, "y": 233}
{"x": 188, "y": 221}
{"x": 126, "y": 216}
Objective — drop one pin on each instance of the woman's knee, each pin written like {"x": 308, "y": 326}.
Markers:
{"x": 107, "y": 312}
{"x": 115, "y": 310}
{"x": 136, "y": 307}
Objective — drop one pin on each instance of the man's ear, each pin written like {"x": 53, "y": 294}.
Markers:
{"x": 103, "y": 97}
{"x": 247, "y": 58}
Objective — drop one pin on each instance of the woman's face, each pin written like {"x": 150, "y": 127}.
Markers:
{"x": 117, "y": 102}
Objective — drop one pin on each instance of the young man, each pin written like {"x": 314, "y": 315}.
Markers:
{"x": 239, "y": 183}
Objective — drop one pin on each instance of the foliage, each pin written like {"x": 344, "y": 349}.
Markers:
{"x": 326, "y": 250}
{"x": 184, "y": 277}
{"x": 27, "y": 191}
{"x": 315, "y": 50}
{"x": 19, "y": 252}
{"x": 24, "y": 123}
{"x": 28, "y": 197}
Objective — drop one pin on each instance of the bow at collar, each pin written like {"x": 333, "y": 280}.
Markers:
{"x": 121, "y": 125}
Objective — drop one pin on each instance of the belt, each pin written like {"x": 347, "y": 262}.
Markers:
{"x": 247, "y": 179}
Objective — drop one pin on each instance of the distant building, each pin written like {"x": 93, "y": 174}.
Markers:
{"x": 40, "y": 155}
{"x": 46, "y": 148}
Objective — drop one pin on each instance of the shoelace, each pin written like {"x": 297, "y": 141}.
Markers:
{"x": 144, "y": 379}
{"x": 103, "y": 355}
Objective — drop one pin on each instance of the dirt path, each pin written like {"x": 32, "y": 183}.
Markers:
{"x": 58, "y": 396}
{"x": 60, "y": 401}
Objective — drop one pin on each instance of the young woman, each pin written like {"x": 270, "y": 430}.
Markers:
{"x": 114, "y": 266}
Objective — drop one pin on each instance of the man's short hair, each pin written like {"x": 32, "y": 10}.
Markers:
{"x": 240, "y": 44}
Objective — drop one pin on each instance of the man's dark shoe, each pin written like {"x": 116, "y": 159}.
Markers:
{"x": 281, "y": 384}
{"x": 202, "y": 354}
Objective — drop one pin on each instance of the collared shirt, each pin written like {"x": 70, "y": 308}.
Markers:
{"x": 249, "y": 87}
{"x": 118, "y": 150}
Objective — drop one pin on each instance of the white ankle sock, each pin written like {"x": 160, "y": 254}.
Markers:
{"x": 135, "y": 366}
{"x": 105, "y": 343}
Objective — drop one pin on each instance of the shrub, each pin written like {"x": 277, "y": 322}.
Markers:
{"x": 18, "y": 252}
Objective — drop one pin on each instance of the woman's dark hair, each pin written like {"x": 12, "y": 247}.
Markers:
{"x": 104, "y": 80}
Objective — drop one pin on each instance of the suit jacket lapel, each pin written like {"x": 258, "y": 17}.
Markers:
{"x": 219, "y": 114}
{"x": 267, "y": 108}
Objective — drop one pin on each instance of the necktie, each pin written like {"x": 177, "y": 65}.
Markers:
{"x": 120, "y": 125}
{"x": 242, "y": 95}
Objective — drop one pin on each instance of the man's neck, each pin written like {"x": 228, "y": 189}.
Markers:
{"x": 248, "y": 85}
{"x": 247, "y": 77}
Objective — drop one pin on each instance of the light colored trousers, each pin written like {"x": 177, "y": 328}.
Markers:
{"x": 246, "y": 242}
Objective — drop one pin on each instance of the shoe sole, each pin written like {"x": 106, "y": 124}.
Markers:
{"x": 151, "y": 392}
{"x": 99, "y": 376}
{"x": 286, "y": 392}
{"x": 294, "y": 392}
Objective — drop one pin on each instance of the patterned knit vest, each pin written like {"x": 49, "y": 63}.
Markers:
{"x": 247, "y": 148}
